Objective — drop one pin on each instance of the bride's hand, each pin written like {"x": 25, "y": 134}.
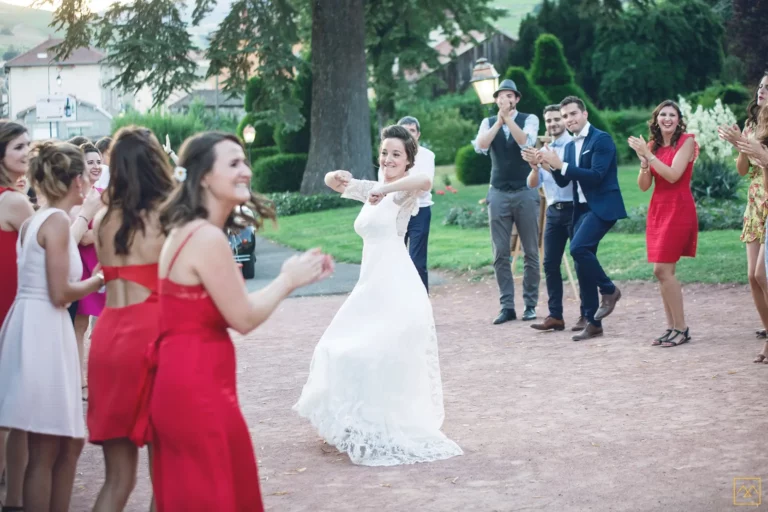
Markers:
{"x": 376, "y": 195}
{"x": 342, "y": 177}
{"x": 307, "y": 268}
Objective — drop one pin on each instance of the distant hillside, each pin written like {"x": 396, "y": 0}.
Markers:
{"x": 23, "y": 27}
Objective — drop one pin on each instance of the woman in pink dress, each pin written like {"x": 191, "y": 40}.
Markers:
{"x": 203, "y": 454}
{"x": 93, "y": 304}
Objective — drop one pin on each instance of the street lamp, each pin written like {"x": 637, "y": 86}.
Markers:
{"x": 485, "y": 80}
{"x": 249, "y": 135}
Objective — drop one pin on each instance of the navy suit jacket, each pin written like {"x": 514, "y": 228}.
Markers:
{"x": 597, "y": 173}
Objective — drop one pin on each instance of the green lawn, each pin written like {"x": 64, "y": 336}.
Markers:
{"x": 721, "y": 257}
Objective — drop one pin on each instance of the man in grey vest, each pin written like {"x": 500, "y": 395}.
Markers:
{"x": 510, "y": 201}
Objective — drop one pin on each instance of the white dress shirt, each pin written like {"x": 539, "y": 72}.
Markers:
{"x": 424, "y": 164}
{"x": 530, "y": 127}
{"x": 578, "y": 141}
{"x": 554, "y": 192}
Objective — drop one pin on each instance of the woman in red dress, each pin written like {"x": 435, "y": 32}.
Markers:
{"x": 15, "y": 208}
{"x": 672, "y": 228}
{"x": 128, "y": 242}
{"x": 203, "y": 458}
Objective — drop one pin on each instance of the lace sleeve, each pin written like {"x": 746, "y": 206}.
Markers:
{"x": 409, "y": 207}
{"x": 358, "y": 190}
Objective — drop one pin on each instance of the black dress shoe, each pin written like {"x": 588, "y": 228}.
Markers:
{"x": 505, "y": 316}
{"x": 529, "y": 314}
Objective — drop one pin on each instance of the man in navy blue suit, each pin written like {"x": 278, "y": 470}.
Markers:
{"x": 589, "y": 167}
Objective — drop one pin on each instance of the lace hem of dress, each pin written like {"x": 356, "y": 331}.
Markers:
{"x": 409, "y": 207}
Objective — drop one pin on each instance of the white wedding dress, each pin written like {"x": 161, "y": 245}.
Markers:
{"x": 374, "y": 389}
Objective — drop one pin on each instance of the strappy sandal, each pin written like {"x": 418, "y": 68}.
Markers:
{"x": 760, "y": 359}
{"x": 671, "y": 340}
{"x": 761, "y": 334}
{"x": 661, "y": 339}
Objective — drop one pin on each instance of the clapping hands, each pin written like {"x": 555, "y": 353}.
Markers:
{"x": 640, "y": 147}
{"x": 731, "y": 134}
{"x": 544, "y": 157}
{"x": 308, "y": 268}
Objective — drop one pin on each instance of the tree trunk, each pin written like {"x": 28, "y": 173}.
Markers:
{"x": 340, "y": 126}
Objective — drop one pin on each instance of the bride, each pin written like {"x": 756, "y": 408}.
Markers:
{"x": 374, "y": 389}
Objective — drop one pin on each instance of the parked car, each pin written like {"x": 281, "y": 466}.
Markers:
{"x": 243, "y": 244}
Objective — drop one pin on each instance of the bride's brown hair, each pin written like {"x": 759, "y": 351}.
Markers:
{"x": 400, "y": 132}
{"x": 197, "y": 156}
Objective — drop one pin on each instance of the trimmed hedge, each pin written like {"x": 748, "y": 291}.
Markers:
{"x": 554, "y": 76}
{"x": 264, "y": 131}
{"x": 713, "y": 216}
{"x": 177, "y": 127}
{"x": 260, "y": 153}
{"x": 298, "y": 141}
{"x": 279, "y": 173}
{"x": 533, "y": 99}
{"x": 294, "y": 203}
{"x": 472, "y": 168}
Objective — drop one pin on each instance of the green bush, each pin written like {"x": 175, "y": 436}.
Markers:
{"x": 472, "y": 168}
{"x": 713, "y": 215}
{"x": 177, "y": 127}
{"x": 294, "y": 203}
{"x": 444, "y": 131}
{"x": 715, "y": 179}
{"x": 533, "y": 100}
{"x": 735, "y": 96}
{"x": 259, "y": 153}
{"x": 553, "y": 75}
{"x": 623, "y": 123}
{"x": 298, "y": 141}
{"x": 264, "y": 131}
{"x": 279, "y": 173}
{"x": 467, "y": 217}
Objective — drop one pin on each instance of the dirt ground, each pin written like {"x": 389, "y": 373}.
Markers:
{"x": 545, "y": 423}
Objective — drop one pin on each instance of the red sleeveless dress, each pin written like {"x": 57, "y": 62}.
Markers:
{"x": 8, "y": 271}
{"x": 203, "y": 455}
{"x": 672, "y": 227}
{"x": 117, "y": 357}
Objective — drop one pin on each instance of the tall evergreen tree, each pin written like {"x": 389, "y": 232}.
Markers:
{"x": 746, "y": 35}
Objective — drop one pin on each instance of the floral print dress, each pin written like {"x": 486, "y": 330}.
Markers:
{"x": 757, "y": 209}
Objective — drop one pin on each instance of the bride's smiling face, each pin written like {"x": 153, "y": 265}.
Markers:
{"x": 393, "y": 159}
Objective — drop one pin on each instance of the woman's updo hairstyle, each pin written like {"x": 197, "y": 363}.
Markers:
{"x": 53, "y": 167}
{"x": 396, "y": 131}
{"x": 89, "y": 147}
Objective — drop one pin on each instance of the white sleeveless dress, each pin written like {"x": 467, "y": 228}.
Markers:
{"x": 39, "y": 365}
{"x": 374, "y": 389}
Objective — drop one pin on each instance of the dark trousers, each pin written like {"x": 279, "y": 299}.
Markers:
{"x": 588, "y": 230}
{"x": 557, "y": 231}
{"x": 417, "y": 238}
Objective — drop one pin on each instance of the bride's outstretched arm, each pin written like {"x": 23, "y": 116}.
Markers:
{"x": 338, "y": 180}
{"x": 417, "y": 182}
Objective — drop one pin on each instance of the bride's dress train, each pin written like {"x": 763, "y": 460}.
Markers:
{"x": 374, "y": 389}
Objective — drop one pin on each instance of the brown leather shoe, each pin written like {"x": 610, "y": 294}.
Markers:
{"x": 590, "y": 331}
{"x": 581, "y": 323}
{"x": 607, "y": 304}
{"x": 549, "y": 324}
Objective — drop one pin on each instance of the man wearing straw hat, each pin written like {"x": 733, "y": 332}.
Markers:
{"x": 510, "y": 201}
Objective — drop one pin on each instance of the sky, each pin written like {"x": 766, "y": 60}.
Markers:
{"x": 96, "y": 5}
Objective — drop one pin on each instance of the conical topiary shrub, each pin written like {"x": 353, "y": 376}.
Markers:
{"x": 533, "y": 98}
{"x": 551, "y": 72}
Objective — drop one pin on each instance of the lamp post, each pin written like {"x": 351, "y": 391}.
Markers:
{"x": 485, "y": 80}
{"x": 249, "y": 135}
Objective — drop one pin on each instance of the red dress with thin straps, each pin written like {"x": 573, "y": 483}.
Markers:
{"x": 117, "y": 356}
{"x": 8, "y": 271}
{"x": 202, "y": 450}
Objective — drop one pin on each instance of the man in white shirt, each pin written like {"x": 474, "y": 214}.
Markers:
{"x": 510, "y": 201}
{"x": 559, "y": 225}
{"x": 417, "y": 236}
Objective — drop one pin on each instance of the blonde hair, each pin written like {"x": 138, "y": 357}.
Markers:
{"x": 53, "y": 167}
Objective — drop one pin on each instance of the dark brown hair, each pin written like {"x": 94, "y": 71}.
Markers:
{"x": 103, "y": 144}
{"x": 197, "y": 156}
{"x": 551, "y": 108}
{"x": 53, "y": 167}
{"x": 79, "y": 140}
{"x": 654, "y": 130}
{"x": 761, "y": 126}
{"x": 140, "y": 179}
{"x": 753, "y": 109}
{"x": 399, "y": 132}
{"x": 8, "y": 131}
{"x": 88, "y": 147}
{"x": 574, "y": 99}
